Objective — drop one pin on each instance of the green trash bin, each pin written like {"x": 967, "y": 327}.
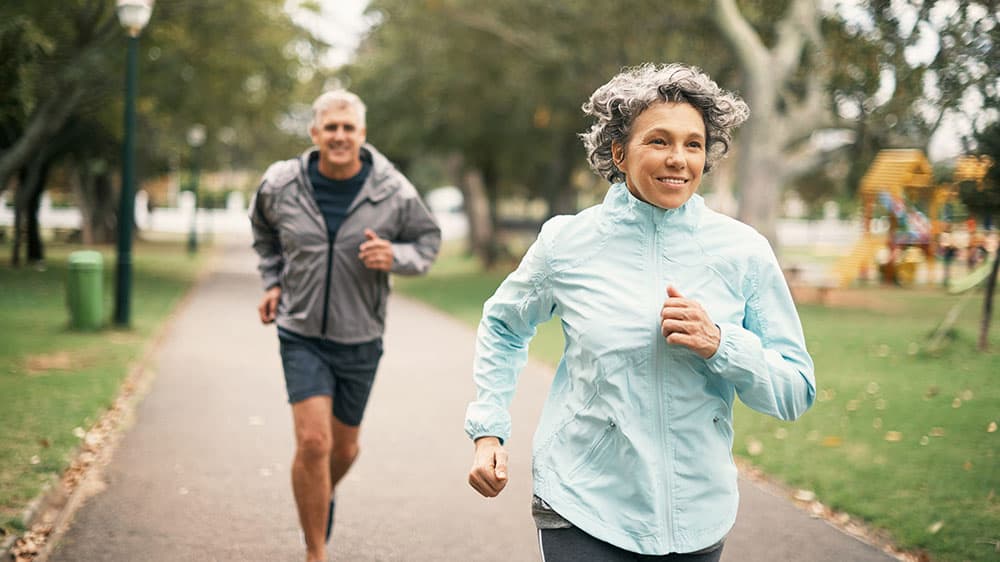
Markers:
{"x": 84, "y": 290}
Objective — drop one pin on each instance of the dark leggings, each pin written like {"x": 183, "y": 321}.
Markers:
{"x": 573, "y": 545}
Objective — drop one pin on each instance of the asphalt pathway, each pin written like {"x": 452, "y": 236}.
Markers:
{"x": 203, "y": 474}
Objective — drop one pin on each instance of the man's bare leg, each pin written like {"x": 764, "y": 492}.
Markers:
{"x": 311, "y": 470}
{"x": 345, "y": 450}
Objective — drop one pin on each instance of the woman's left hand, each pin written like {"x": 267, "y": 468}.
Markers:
{"x": 685, "y": 322}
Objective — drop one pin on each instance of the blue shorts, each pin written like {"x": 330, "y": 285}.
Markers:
{"x": 317, "y": 367}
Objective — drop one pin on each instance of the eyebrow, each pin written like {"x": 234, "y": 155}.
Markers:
{"x": 661, "y": 130}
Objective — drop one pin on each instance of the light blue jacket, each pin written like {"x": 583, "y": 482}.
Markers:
{"x": 634, "y": 445}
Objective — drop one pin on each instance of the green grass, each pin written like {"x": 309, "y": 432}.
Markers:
{"x": 874, "y": 377}
{"x": 53, "y": 379}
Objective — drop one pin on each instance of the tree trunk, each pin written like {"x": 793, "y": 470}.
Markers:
{"x": 35, "y": 248}
{"x": 477, "y": 209}
{"x": 778, "y": 120}
{"x": 984, "y": 326}
{"x": 95, "y": 197}
{"x": 560, "y": 197}
{"x": 44, "y": 124}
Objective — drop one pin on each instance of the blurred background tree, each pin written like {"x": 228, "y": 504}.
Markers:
{"x": 494, "y": 90}
{"x": 983, "y": 200}
{"x": 237, "y": 67}
{"x": 487, "y": 96}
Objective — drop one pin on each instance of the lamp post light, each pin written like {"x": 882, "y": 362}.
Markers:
{"x": 133, "y": 15}
{"x": 195, "y": 138}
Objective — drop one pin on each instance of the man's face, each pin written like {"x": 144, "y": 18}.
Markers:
{"x": 339, "y": 135}
{"x": 664, "y": 158}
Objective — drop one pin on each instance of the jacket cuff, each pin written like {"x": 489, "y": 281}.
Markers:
{"x": 722, "y": 360}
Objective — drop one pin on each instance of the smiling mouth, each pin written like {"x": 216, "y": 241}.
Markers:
{"x": 672, "y": 181}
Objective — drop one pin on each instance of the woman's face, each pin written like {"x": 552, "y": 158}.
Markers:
{"x": 664, "y": 157}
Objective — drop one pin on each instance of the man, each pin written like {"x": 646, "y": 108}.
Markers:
{"x": 329, "y": 227}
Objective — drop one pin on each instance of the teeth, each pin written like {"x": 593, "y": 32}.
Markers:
{"x": 674, "y": 181}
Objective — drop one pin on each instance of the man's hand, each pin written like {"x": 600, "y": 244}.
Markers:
{"x": 489, "y": 467}
{"x": 268, "y": 307}
{"x": 685, "y": 322}
{"x": 376, "y": 253}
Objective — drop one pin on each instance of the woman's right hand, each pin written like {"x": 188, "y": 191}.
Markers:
{"x": 488, "y": 475}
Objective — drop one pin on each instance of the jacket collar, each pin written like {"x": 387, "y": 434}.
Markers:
{"x": 378, "y": 185}
{"x": 621, "y": 206}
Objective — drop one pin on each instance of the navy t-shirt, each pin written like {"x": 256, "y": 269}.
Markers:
{"x": 334, "y": 197}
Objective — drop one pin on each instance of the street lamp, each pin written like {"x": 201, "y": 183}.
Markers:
{"x": 133, "y": 15}
{"x": 195, "y": 138}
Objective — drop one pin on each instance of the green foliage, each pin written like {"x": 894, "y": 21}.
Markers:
{"x": 892, "y": 425}
{"x": 984, "y": 198}
{"x": 234, "y": 66}
{"x": 54, "y": 380}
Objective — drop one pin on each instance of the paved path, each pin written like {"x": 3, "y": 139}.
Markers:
{"x": 204, "y": 472}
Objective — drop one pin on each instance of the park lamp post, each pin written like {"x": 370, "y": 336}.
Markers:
{"x": 195, "y": 138}
{"x": 133, "y": 15}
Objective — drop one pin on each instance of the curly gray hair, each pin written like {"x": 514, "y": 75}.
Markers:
{"x": 616, "y": 104}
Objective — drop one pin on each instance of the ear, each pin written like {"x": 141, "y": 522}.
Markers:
{"x": 617, "y": 153}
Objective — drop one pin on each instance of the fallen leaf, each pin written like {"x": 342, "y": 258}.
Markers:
{"x": 956, "y": 403}
{"x": 937, "y": 432}
{"x": 44, "y": 443}
{"x": 935, "y": 527}
{"x": 877, "y": 423}
{"x": 893, "y": 436}
{"x": 967, "y": 395}
{"x": 79, "y": 432}
{"x": 780, "y": 433}
{"x": 883, "y": 351}
{"x": 35, "y": 459}
{"x": 968, "y": 465}
{"x": 852, "y": 405}
{"x": 932, "y": 391}
{"x": 925, "y": 440}
{"x": 880, "y": 404}
{"x": 754, "y": 447}
{"x": 992, "y": 428}
{"x": 872, "y": 387}
{"x": 804, "y": 495}
{"x": 832, "y": 441}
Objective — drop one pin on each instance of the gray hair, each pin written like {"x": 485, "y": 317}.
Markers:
{"x": 616, "y": 104}
{"x": 338, "y": 98}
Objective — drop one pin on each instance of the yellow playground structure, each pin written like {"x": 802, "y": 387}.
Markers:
{"x": 897, "y": 181}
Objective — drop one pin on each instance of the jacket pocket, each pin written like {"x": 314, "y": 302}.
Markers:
{"x": 595, "y": 450}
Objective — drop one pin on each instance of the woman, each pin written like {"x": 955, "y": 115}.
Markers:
{"x": 669, "y": 309}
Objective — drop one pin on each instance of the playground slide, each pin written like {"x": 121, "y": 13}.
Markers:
{"x": 848, "y": 267}
{"x": 977, "y": 277}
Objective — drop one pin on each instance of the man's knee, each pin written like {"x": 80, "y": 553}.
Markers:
{"x": 346, "y": 452}
{"x": 314, "y": 445}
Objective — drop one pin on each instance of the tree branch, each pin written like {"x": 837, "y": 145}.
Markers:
{"x": 747, "y": 45}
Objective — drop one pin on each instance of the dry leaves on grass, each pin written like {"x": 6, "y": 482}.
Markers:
{"x": 29, "y": 546}
{"x": 807, "y": 501}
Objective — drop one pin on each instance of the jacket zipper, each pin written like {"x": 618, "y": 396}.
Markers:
{"x": 329, "y": 275}
{"x": 658, "y": 352}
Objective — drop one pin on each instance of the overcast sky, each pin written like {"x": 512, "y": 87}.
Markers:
{"x": 342, "y": 23}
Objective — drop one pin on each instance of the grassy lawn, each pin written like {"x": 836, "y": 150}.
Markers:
{"x": 902, "y": 438}
{"x": 54, "y": 380}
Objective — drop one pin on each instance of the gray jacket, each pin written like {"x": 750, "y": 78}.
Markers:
{"x": 325, "y": 289}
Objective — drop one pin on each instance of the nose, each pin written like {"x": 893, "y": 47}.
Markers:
{"x": 674, "y": 157}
